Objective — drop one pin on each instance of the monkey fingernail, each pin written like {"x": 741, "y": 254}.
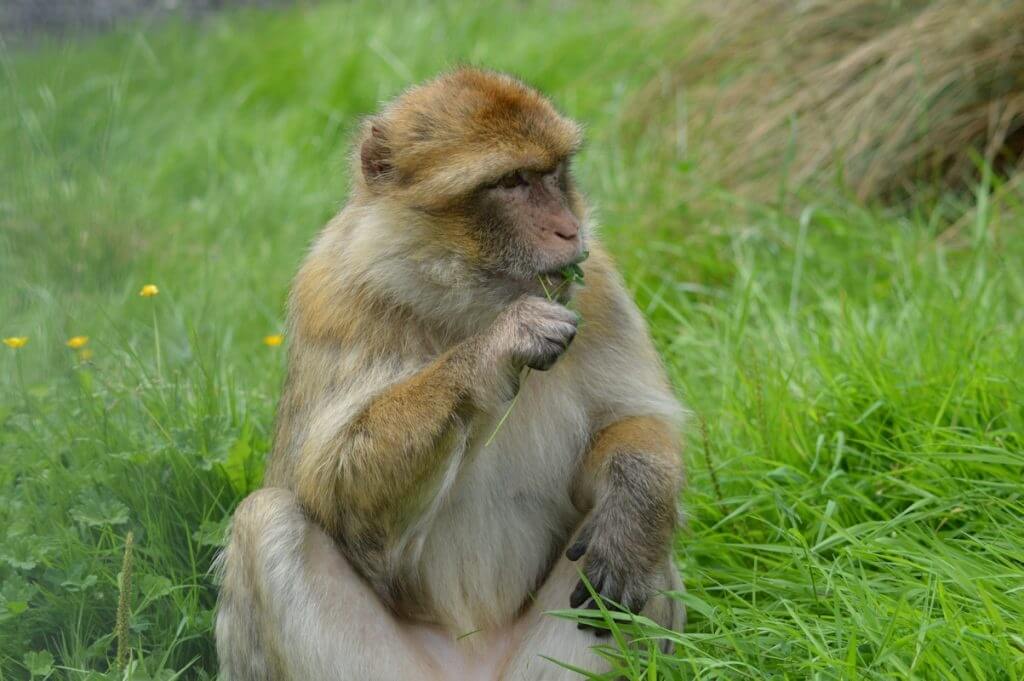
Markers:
{"x": 579, "y": 595}
{"x": 557, "y": 342}
{"x": 597, "y": 631}
{"x": 576, "y": 551}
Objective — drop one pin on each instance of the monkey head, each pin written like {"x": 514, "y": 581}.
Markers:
{"x": 478, "y": 164}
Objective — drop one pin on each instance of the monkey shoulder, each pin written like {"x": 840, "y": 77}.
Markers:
{"x": 619, "y": 371}
{"x": 608, "y": 313}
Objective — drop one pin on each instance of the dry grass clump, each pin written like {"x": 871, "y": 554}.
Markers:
{"x": 882, "y": 92}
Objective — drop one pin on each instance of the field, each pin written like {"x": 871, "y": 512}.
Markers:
{"x": 855, "y": 373}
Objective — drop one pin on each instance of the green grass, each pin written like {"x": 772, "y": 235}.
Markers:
{"x": 856, "y": 460}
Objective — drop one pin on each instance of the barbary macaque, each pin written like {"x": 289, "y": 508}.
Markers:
{"x": 401, "y": 533}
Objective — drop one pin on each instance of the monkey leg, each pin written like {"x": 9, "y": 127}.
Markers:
{"x": 291, "y": 607}
{"x": 547, "y": 636}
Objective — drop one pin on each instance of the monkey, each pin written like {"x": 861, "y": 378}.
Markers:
{"x": 467, "y": 436}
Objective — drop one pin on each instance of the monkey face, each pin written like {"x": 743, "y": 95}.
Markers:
{"x": 479, "y": 161}
{"x": 524, "y": 223}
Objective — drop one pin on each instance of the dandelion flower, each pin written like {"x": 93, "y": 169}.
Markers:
{"x": 15, "y": 342}
{"x": 77, "y": 342}
{"x": 273, "y": 341}
{"x": 149, "y": 290}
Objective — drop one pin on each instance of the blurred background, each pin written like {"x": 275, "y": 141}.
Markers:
{"x": 24, "y": 18}
{"x": 817, "y": 205}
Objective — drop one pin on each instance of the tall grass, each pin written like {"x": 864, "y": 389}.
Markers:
{"x": 888, "y": 96}
{"x": 855, "y": 490}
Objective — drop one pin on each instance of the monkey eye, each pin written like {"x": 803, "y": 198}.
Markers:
{"x": 512, "y": 180}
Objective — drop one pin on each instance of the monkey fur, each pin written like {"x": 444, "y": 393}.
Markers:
{"x": 390, "y": 541}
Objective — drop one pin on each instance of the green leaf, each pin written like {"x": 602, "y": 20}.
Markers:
{"x": 75, "y": 580}
{"x": 16, "y": 589}
{"x": 213, "y": 532}
{"x": 17, "y": 557}
{"x": 574, "y": 273}
{"x": 23, "y": 549}
{"x": 136, "y": 671}
{"x": 15, "y": 595}
{"x": 85, "y": 381}
{"x": 103, "y": 676}
{"x": 242, "y": 468}
{"x": 96, "y": 511}
{"x": 39, "y": 663}
{"x": 155, "y": 586}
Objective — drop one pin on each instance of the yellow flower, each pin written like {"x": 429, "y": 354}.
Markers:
{"x": 149, "y": 290}
{"x": 15, "y": 342}
{"x": 77, "y": 342}
{"x": 273, "y": 341}
{"x": 84, "y": 355}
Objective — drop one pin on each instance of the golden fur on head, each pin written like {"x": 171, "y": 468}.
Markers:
{"x": 445, "y": 137}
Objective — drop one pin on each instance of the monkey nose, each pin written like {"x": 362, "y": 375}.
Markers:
{"x": 569, "y": 230}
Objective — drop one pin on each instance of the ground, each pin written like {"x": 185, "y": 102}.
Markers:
{"x": 854, "y": 373}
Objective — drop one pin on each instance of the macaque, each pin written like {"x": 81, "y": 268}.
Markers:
{"x": 401, "y": 533}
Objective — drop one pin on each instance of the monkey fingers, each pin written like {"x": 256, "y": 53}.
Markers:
{"x": 552, "y": 349}
{"x": 598, "y": 629}
{"x": 620, "y": 586}
{"x": 582, "y": 594}
{"x": 541, "y": 331}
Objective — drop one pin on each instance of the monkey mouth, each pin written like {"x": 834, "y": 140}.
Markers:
{"x": 553, "y": 274}
{"x": 551, "y": 278}
{"x": 554, "y": 285}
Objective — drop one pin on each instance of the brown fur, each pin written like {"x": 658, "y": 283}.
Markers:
{"x": 392, "y": 443}
{"x": 650, "y": 436}
{"x": 409, "y": 332}
{"x": 443, "y": 138}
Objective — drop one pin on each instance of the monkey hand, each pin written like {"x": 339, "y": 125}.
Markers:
{"x": 619, "y": 570}
{"x": 531, "y": 332}
{"x": 534, "y": 332}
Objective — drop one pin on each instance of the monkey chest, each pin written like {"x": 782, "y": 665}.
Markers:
{"x": 508, "y": 511}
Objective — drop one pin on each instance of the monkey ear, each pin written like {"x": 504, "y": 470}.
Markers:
{"x": 375, "y": 155}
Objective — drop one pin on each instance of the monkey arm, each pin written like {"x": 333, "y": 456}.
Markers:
{"x": 363, "y": 451}
{"x": 376, "y": 458}
{"x": 638, "y": 449}
{"x": 394, "y": 441}
{"x": 628, "y": 482}
{"x": 635, "y": 446}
